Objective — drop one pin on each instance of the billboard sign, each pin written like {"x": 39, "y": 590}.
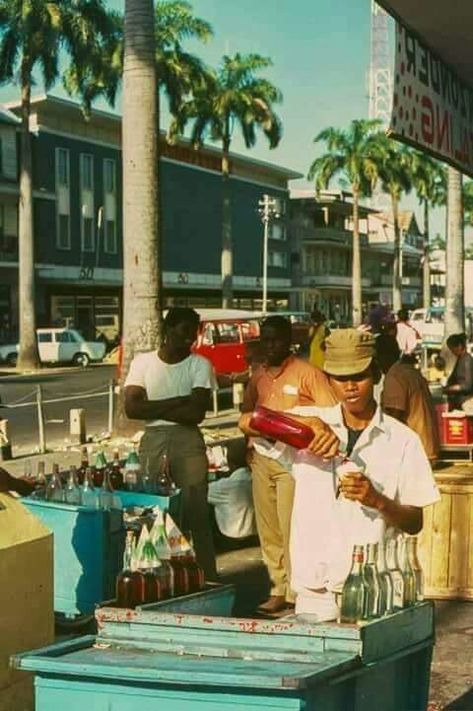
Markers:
{"x": 432, "y": 107}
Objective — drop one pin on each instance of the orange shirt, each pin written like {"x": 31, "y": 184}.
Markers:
{"x": 294, "y": 382}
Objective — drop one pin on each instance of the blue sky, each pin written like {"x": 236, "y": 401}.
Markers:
{"x": 320, "y": 53}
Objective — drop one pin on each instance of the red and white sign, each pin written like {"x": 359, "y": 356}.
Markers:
{"x": 432, "y": 107}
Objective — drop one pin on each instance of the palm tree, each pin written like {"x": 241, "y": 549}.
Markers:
{"x": 454, "y": 285}
{"x": 33, "y": 36}
{"x": 142, "y": 309}
{"x": 234, "y": 94}
{"x": 394, "y": 168}
{"x": 351, "y": 155}
{"x": 429, "y": 179}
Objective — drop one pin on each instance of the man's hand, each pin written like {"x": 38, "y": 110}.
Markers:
{"x": 357, "y": 487}
{"x": 325, "y": 443}
{"x": 11, "y": 483}
{"x": 244, "y": 425}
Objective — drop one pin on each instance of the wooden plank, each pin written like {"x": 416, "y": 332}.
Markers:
{"x": 392, "y": 634}
{"x": 441, "y": 524}
{"x": 425, "y": 545}
{"x": 129, "y": 664}
{"x": 459, "y": 542}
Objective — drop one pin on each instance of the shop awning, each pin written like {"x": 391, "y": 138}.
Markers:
{"x": 446, "y": 27}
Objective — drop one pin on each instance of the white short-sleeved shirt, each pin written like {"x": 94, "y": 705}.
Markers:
{"x": 325, "y": 527}
{"x": 167, "y": 380}
{"x": 233, "y": 500}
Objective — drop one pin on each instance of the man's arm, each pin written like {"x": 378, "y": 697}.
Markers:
{"x": 11, "y": 483}
{"x": 185, "y": 410}
{"x": 358, "y": 487}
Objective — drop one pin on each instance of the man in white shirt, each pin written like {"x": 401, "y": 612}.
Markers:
{"x": 386, "y": 480}
{"x": 170, "y": 390}
{"x": 406, "y": 335}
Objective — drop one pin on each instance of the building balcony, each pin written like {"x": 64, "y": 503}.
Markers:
{"x": 329, "y": 235}
{"x": 412, "y": 281}
{"x": 335, "y": 281}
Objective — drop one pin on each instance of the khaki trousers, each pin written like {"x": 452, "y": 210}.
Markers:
{"x": 185, "y": 448}
{"x": 273, "y": 494}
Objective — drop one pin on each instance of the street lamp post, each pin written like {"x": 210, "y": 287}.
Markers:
{"x": 268, "y": 209}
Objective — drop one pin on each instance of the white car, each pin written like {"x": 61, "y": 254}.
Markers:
{"x": 59, "y": 345}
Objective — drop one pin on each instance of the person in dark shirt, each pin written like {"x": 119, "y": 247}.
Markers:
{"x": 459, "y": 386}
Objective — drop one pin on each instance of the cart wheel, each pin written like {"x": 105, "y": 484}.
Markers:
{"x": 79, "y": 623}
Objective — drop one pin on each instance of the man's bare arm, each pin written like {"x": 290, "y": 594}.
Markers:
{"x": 185, "y": 410}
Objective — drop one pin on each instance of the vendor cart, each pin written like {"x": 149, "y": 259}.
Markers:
{"x": 178, "y": 662}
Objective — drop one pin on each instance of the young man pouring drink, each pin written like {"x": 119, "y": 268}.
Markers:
{"x": 372, "y": 483}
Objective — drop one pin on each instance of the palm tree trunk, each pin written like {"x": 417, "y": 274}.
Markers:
{"x": 28, "y": 357}
{"x": 227, "y": 244}
{"x": 141, "y": 266}
{"x": 454, "y": 287}
{"x": 356, "y": 263}
{"x": 426, "y": 295}
{"x": 397, "y": 264}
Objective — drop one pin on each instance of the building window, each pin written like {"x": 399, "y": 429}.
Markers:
{"x": 62, "y": 167}
{"x": 277, "y": 259}
{"x": 278, "y": 231}
{"x": 110, "y": 245}
{"x": 63, "y": 232}
{"x": 88, "y": 241}
{"x": 86, "y": 171}
{"x": 109, "y": 175}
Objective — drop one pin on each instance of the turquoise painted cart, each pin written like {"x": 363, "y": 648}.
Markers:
{"x": 178, "y": 662}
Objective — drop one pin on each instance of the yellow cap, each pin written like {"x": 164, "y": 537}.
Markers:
{"x": 348, "y": 351}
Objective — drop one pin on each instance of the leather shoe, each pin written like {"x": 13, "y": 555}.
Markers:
{"x": 273, "y": 605}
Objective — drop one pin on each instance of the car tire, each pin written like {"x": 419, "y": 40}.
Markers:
{"x": 12, "y": 359}
{"x": 81, "y": 359}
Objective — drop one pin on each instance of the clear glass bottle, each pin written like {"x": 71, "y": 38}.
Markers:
{"x": 54, "y": 489}
{"x": 353, "y": 592}
{"x": 392, "y": 565}
{"x": 107, "y": 494}
{"x": 147, "y": 480}
{"x": 90, "y": 495}
{"x": 116, "y": 473}
{"x": 416, "y": 567}
{"x": 72, "y": 492}
{"x": 385, "y": 583}
{"x": 410, "y": 590}
{"x": 84, "y": 463}
{"x": 130, "y": 582}
{"x": 165, "y": 485}
{"x": 41, "y": 474}
{"x": 372, "y": 582}
{"x": 132, "y": 470}
{"x": 100, "y": 468}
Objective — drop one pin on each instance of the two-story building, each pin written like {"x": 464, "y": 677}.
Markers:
{"x": 78, "y": 220}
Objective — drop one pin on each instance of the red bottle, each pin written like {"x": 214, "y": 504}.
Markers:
{"x": 281, "y": 427}
{"x": 130, "y": 587}
{"x": 116, "y": 473}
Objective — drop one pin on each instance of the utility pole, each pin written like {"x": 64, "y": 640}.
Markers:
{"x": 269, "y": 210}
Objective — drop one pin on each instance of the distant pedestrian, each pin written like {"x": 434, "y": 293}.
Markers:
{"x": 406, "y": 396}
{"x": 170, "y": 390}
{"x": 459, "y": 387}
{"x": 406, "y": 335}
{"x": 317, "y": 334}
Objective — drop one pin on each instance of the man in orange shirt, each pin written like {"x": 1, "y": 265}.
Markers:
{"x": 280, "y": 383}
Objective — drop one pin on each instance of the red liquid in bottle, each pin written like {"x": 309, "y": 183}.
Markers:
{"x": 181, "y": 576}
{"x": 129, "y": 589}
{"x": 194, "y": 572}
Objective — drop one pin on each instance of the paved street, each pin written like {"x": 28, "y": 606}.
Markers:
{"x": 67, "y": 382}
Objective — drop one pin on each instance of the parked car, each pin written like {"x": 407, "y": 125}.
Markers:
{"x": 59, "y": 345}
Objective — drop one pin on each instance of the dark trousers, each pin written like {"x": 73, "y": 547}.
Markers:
{"x": 185, "y": 448}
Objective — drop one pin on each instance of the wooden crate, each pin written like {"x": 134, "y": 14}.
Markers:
{"x": 446, "y": 541}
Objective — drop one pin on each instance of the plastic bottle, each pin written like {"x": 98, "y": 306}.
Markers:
{"x": 54, "y": 489}
{"x": 353, "y": 592}
{"x": 90, "y": 495}
{"x": 72, "y": 492}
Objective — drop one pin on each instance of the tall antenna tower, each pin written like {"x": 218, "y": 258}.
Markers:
{"x": 380, "y": 71}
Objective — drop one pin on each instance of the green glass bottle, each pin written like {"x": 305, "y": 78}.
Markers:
{"x": 353, "y": 592}
{"x": 372, "y": 583}
{"x": 416, "y": 567}
{"x": 408, "y": 575}
{"x": 386, "y": 584}
{"x": 392, "y": 565}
